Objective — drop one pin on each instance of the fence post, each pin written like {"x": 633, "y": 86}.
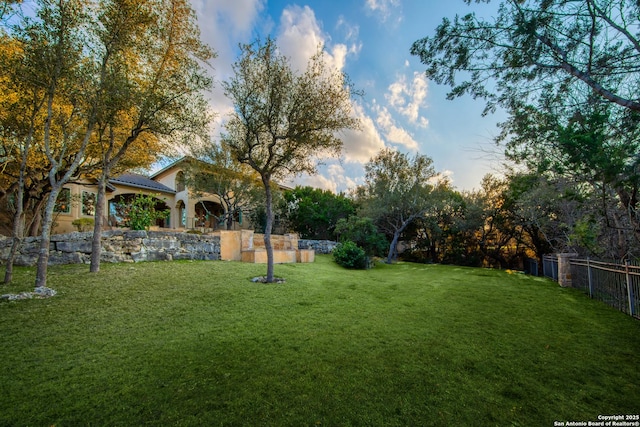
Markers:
{"x": 629, "y": 290}
{"x": 564, "y": 269}
{"x": 590, "y": 279}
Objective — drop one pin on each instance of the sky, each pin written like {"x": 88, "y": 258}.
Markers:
{"x": 369, "y": 40}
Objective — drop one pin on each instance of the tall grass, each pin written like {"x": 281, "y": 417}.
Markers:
{"x": 197, "y": 343}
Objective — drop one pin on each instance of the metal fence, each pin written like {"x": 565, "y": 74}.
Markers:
{"x": 550, "y": 266}
{"x": 615, "y": 284}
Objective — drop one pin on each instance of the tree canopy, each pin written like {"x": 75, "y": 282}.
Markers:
{"x": 313, "y": 213}
{"x": 533, "y": 47}
{"x": 284, "y": 120}
{"x": 398, "y": 191}
{"x": 215, "y": 171}
{"x": 91, "y": 79}
{"x": 567, "y": 74}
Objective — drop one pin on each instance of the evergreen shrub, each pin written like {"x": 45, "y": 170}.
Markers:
{"x": 350, "y": 255}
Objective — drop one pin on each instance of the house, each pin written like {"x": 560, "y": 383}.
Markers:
{"x": 186, "y": 210}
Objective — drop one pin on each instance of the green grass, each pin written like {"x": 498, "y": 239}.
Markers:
{"x": 196, "y": 343}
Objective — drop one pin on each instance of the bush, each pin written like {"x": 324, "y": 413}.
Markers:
{"x": 83, "y": 224}
{"x": 364, "y": 233}
{"x": 142, "y": 212}
{"x": 350, "y": 255}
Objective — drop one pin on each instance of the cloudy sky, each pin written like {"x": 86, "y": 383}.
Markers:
{"x": 370, "y": 41}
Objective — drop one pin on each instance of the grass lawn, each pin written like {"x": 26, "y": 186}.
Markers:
{"x": 197, "y": 343}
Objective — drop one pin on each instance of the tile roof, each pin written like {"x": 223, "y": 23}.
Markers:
{"x": 140, "y": 181}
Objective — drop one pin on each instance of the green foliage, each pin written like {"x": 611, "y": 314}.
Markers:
{"x": 363, "y": 232}
{"x": 236, "y": 184}
{"x": 142, "y": 213}
{"x": 350, "y": 255}
{"x": 313, "y": 213}
{"x": 284, "y": 118}
{"x": 83, "y": 224}
{"x": 566, "y": 74}
{"x": 258, "y": 213}
{"x": 398, "y": 191}
{"x": 585, "y": 234}
{"x": 561, "y": 46}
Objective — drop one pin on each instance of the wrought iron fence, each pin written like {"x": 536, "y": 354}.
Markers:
{"x": 615, "y": 284}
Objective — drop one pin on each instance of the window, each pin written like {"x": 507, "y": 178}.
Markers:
{"x": 63, "y": 202}
{"x": 88, "y": 203}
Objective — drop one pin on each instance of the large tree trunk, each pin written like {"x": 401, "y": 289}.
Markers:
{"x": 268, "y": 227}
{"x": 393, "y": 246}
{"x": 45, "y": 238}
{"x": 96, "y": 247}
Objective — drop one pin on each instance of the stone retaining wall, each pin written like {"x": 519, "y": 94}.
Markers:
{"x": 320, "y": 246}
{"x": 118, "y": 246}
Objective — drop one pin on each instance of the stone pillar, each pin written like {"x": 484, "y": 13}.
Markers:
{"x": 564, "y": 269}
{"x": 230, "y": 245}
{"x": 247, "y": 240}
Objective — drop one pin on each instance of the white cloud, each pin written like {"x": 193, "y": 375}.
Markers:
{"x": 383, "y": 8}
{"x": 363, "y": 144}
{"x": 338, "y": 175}
{"x": 237, "y": 16}
{"x": 332, "y": 177}
{"x": 224, "y": 23}
{"x": 400, "y": 136}
{"x": 316, "y": 181}
{"x": 392, "y": 132}
{"x": 407, "y": 98}
{"x": 300, "y": 35}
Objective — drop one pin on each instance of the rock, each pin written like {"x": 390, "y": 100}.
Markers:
{"x": 263, "y": 279}
{"x": 44, "y": 292}
{"x": 38, "y": 292}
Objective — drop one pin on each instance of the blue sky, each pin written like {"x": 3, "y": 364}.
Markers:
{"x": 370, "y": 41}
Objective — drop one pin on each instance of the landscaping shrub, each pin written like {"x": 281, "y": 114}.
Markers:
{"x": 350, "y": 255}
{"x": 142, "y": 212}
{"x": 83, "y": 224}
{"x": 364, "y": 233}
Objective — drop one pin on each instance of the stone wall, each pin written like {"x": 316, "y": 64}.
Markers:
{"x": 320, "y": 246}
{"x": 118, "y": 246}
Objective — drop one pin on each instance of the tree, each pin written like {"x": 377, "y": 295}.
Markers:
{"x": 155, "y": 98}
{"x": 398, "y": 191}
{"x": 567, "y": 74}
{"x": 538, "y": 44}
{"x": 70, "y": 91}
{"x": 313, "y": 213}
{"x": 283, "y": 120}
{"x": 236, "y": 184}
{"x": 429, "y": 237}
{"x": 20, "y": 109}
{"x": 141, "y": 212}
{"x": 108, "y": 75}
{"x": 6, "y": 8}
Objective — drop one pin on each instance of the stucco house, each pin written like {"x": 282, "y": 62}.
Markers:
{"x": 186, "y": 210}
